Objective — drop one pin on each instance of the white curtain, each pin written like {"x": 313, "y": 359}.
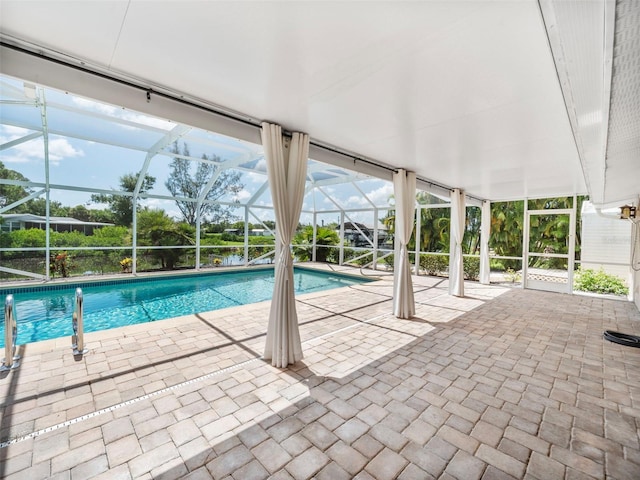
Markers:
{"x": 485, "y": 231}
{"x": 287, "y": 169}
{"x": 456, "y": 269}
{"x": 404, "y": 190}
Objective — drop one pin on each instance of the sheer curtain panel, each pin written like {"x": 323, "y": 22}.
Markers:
{"x": 485, "y": 231}
{"x": 404, "y": 190}
{"x": 287, "y": 169}
{"x": 456, "y": 268}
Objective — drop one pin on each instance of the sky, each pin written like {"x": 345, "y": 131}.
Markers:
{"x": 92, "y": 144}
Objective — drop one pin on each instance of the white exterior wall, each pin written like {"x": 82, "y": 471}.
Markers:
{"x": 636, "y": 293}
{"x": 605, "y": 240}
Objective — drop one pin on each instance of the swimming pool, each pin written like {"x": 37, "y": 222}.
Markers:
{"x": 44, "y": 312}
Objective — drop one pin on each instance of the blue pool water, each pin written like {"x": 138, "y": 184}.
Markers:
{"x": 46, "y": 312}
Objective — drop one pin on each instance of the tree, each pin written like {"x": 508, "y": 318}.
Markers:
{"x": 239, "y": 225}
{"x": 434, "y": 225}
{"x": 79, "y": 212}
{"x": 121, "y": 205}
{"x": 156, "y": 228}
{"x": 12, "y": 193}
{"x": 270, "y": 224}
{"x": 550, "y": 233}
{"x": 102, "y": 216}
{"x": 547, "y": 233}
{"x": 184, "y": 182}
{"x": 434, "y": 230}
{"x": 38, "y": 206}
{"x": 471, "y": 240}
{"x": 507, "y": 226}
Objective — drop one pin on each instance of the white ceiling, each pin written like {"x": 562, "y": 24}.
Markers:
{"x": 465, "y": 93}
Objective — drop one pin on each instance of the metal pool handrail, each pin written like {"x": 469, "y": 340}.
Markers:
{"x": 77, "y": 339}
{"x": 11, "y": 360}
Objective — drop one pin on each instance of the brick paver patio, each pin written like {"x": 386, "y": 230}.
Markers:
{"x": 504, "y": 383}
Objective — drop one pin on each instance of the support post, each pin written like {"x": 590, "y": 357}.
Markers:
{"x": 376, "y": 240}
{"x": 341, "y": 254}
{"x": 315, "y": 234}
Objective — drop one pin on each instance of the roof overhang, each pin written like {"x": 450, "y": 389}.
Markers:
{"x": 466, "y": 94}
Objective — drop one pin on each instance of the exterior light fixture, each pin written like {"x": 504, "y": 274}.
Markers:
{"x": 628, "y": 211}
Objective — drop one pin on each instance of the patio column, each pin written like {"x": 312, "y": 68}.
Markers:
{"x": 287, "y": 170}
{"x": 485, "y": 231}
{"x": 404, "y": 190}
{"x": 456, "y": 268}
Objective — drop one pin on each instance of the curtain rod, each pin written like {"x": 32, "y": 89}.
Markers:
{"x": 212, "y": 108}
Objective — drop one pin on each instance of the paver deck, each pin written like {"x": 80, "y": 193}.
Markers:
{"x": 503, "y": 383}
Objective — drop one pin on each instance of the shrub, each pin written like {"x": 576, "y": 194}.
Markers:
{"x": 61, "y": 264}
{"x": 126, "y": 264}
{"x": 599, "y": 282}
{"x": 109, "y": 237}
{"x": 434, "y": 264}
{"x": 29, "y": 238}
{"x": 512, "y": 275}
{"x": 231, "y": 237}
{"x": 350, "y": 254}
{"x": 261, "y": 240}
{"x": 471, "y": 267}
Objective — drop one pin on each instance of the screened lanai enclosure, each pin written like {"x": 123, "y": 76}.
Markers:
{"x": 460, "y": 178}
{"x": 123, "y": 151}
{"x": 74, "y": 171}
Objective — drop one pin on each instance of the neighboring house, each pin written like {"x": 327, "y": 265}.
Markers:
{"x": 359, "y": 234}
{"x": 23, "y": 221}
{"x": 253, "y": 232}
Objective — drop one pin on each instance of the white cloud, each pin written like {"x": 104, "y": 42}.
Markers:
{"x": 18, "y": 153}
{"x": 11, "y": 132}
{"x": 379, "y": 197}
{"x": 60, "y": 148}
{"x": 328, "y": 197}
{"x": 145, "y": 120}
{"x": 260, "y": 176}
{"x": 95, "y": 106}
{"x": 33, "y": 150}
{"x": 124, "y": 114}
{"x": 241, "y": 196}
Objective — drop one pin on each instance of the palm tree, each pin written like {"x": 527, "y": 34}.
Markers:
{"x": 548, "y": 233}
{"x": 303, "y": 243}
{"x": 507, "y": 226}
{"x": 434, "y": 230}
